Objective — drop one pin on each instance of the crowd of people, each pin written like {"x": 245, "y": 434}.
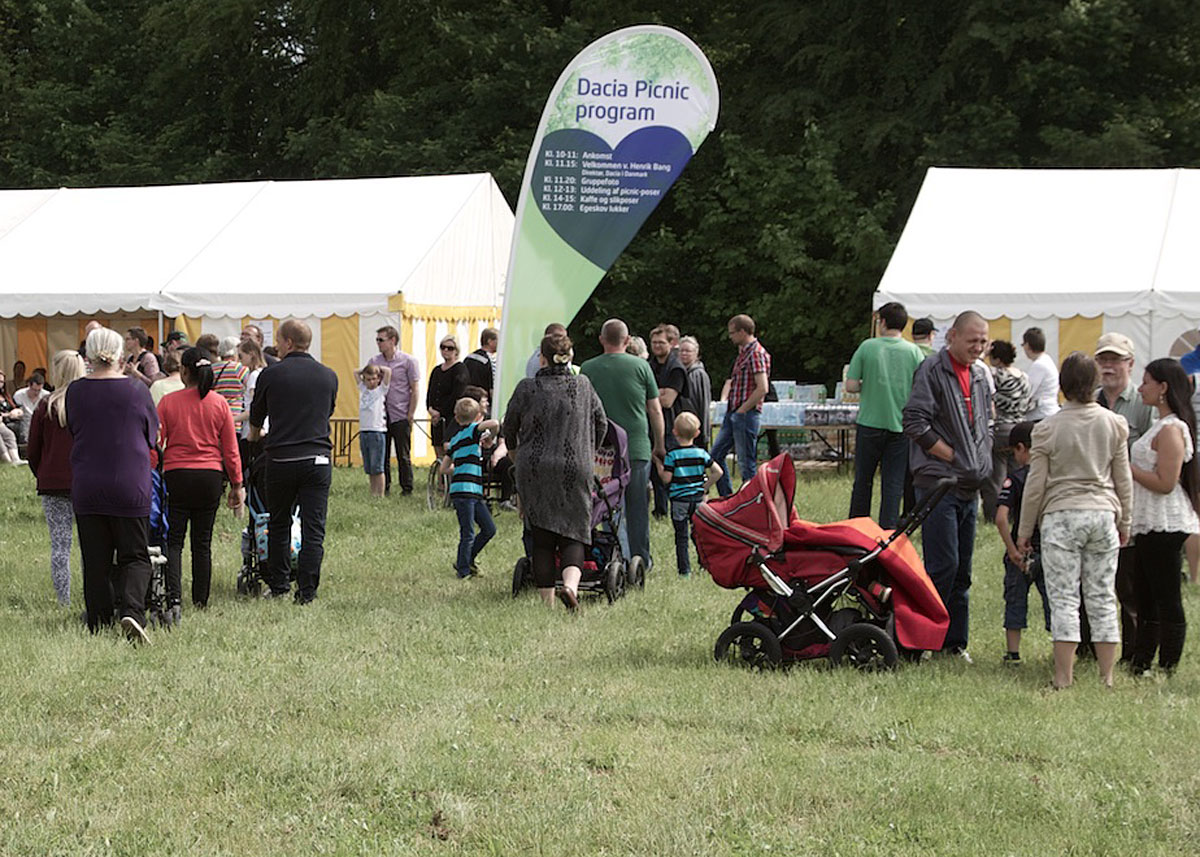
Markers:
{"x": 1096, "y": 499}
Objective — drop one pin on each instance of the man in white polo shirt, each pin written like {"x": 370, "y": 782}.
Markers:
{"x": 1043, "y": 376}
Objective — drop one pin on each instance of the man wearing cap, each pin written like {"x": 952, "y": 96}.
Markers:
{"x": 176, "y": 341}
{"x": 1118, "y": 393}
{"x": 922, "y": 335}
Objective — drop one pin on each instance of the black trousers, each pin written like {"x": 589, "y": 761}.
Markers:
{"x": 1162, "y": 626}
{"x": 290, "y": 483}
{"x": 116, "y": 567}
{"x": 545, "y": 545}
{"x": 195, "y": 497}
{"x": 399, "y": 433}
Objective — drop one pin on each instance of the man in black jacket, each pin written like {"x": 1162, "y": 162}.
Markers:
{"x": 480, "y": 368}
{"x": 298, "y": 394}
{"x": 947, "y": 419}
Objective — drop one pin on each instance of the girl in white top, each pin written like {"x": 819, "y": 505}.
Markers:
{"x": 1166, "y": 495}
{"x": 249, "y": 355}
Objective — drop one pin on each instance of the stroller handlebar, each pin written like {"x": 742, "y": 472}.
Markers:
{"x": 917, "y": 515}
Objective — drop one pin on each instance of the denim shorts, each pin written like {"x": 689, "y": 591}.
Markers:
{"x": 372, "y": 444}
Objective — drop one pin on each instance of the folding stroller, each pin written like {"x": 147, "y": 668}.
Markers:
{"x": 253, "y": 573}
{"x": 157, "y": 610}
{"x": 848, "y": 590}
{"x": 605, "y": 568}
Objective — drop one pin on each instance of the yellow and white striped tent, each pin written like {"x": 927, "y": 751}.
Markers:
{"x": 425, "y": 254}
{"x": 1077, "y": 253}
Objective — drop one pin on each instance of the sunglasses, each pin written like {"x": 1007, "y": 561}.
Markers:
{"x": 380, "y": 339}
{"x": 449, "y": 348}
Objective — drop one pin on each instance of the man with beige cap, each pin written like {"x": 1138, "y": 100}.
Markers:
{"x": 1118, "y": 393}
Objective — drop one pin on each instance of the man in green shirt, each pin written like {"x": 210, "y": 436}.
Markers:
{"x": 922, "y": 335}
{"x": 881, "y": 371}
{"x": 629, "y": 393}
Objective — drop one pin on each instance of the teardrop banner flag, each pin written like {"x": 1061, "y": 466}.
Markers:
{"x": 621, "y": 123}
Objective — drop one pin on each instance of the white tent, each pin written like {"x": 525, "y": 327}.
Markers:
{"x": 1075, "y": 252}
{"x": 425, "y": 254}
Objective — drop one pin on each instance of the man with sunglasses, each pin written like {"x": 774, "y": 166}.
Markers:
{"x": 400, "y": 403}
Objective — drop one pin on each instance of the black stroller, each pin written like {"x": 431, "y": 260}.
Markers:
{"x": 253, "y": 574}
{"x": 605, "y": 569}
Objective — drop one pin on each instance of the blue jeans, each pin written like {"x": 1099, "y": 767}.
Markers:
{"x": 681, "y": 519}
{"x": 887, "y": 451}
{"x": 948, "y": 536}
{"x": 634, "y": 532}
{"x": 739, "y": 433}
{"x": 471, "y": 511}
{"x": 1016, "y": 595}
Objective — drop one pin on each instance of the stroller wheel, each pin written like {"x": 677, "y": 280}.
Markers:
{"x": 636, "y": 573}
{"x": 521, "y": 572}
{"x": 749, "y": 644}
{"x": 865, "y": 647}
{"x": 614, "y": 579}
{"x": 248, "y": 584}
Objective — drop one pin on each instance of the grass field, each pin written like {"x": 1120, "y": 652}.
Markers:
{"x": 406, "y": 712}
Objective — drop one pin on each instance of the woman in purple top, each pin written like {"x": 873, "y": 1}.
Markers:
{"x": 113, "y": 426}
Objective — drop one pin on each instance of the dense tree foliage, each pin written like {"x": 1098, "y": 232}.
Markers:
{"x": 830, "y": 114}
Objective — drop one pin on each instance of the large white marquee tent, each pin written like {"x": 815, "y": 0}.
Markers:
{"x": 427, "y": 255}
{"x": 1077, "y": 253}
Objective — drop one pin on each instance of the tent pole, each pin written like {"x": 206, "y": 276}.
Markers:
{"x": 160, "y": 332}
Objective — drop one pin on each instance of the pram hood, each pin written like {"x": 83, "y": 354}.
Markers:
{"x": 611, "y": 472}
{"x": 761, "y": 515}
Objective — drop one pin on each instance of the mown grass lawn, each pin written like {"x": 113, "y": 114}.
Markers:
{"x": 408, "y": 713}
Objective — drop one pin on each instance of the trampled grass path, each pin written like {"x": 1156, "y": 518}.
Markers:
{"x": 407, "y": 713}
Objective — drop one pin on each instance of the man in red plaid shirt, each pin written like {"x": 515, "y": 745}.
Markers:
{"x": 744, "y": 391}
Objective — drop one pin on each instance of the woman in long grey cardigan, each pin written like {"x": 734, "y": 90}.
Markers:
{"x": 553, "y": 425}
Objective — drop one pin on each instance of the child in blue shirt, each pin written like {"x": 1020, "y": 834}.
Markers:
{"x": 1019, "y": 571}
{"x": 464, "y": 456}
{"x": 687, "y": 472}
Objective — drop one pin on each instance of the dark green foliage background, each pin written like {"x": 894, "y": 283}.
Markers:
{"x": 830, "y": 114}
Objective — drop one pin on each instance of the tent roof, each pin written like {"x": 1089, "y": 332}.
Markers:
{"x": 1068, "y": 242}
{"x": 255, "y": 248}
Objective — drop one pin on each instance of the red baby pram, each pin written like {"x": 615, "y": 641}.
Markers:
{"x": 848, "y": 590}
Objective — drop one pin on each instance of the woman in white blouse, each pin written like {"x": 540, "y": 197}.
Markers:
{"x": 1166, "y": 495}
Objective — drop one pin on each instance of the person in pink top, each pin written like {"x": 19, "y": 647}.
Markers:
{"x": 200, "y": 447}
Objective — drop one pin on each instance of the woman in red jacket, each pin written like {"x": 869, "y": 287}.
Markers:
{"x": 49, "y": 458}
{"x": 199, "y": 446}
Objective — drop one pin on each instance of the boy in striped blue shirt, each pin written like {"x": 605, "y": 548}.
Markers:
{"x": 465, "y": 456}
{"x": 687, "y": 472}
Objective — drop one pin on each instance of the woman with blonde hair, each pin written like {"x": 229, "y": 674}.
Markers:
{"x": 50, "y": 460}
{"x": 113, "y": 428}
{"x": 447, "y": 382}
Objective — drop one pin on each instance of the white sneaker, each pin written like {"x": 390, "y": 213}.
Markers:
{"x": 19, "y": 462}
{"x": 964, "y": 656}
{"x": 134, "y": 631}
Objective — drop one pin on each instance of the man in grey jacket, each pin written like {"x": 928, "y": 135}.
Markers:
{"x": 947, "y": 419}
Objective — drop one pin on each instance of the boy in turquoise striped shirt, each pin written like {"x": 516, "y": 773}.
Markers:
{"x": 687, "y": 472}
{"x": 464, "y": 454}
